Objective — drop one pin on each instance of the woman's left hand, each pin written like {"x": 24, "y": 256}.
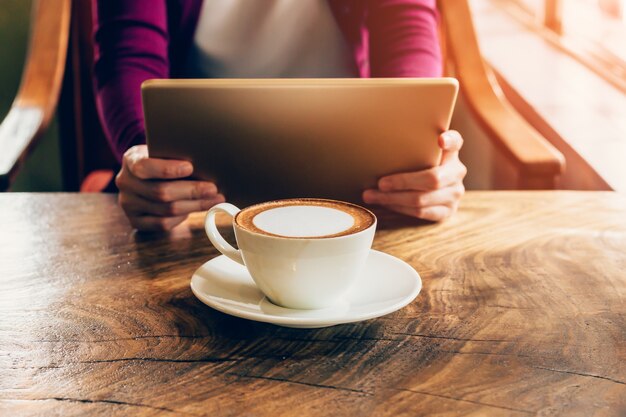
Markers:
{"x": 431, "y": 194}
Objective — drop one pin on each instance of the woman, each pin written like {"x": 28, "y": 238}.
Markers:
{"x": 141, "y": 39}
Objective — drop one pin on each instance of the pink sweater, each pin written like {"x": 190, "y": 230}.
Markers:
{"x": 136, "y": 40}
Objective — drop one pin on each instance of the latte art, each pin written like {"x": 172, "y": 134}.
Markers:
{"x": 303, "y": 221}
{"x": 305, "y": 218}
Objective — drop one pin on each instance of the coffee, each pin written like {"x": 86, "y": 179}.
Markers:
{"x": 301, "y": 253}
{"x": 305, "y": 218}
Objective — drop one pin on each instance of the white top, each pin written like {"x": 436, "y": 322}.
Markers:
{"x": 269, "y": 39}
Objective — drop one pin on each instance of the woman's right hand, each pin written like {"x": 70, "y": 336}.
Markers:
{"x": 154, "y": 194}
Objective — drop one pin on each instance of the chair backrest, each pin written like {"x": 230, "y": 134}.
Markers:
{"x": 83, "y": 141}
{"x": 524, "y": 159}
{"x": 34, "y": 105}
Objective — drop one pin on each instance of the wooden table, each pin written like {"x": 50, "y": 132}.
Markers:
{"x": 522, "y": 313}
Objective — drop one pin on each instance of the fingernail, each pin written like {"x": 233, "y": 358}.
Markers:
{"x": 209, "y": 190}
{"x": 384, "y": 184}
{"x": 185, "y": 169}
{"x": 369, "y": 196}
{"x": 446, "y": 139}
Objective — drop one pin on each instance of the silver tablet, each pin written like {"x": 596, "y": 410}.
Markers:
{"x": 263, "y": 139}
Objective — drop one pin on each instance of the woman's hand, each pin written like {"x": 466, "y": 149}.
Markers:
{"x": 154, "y": 194}
{"x": 431, "y": 194}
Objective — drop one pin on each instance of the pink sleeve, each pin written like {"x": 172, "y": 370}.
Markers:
{"x": 131, "y": 46}
{"x": 403, "y": 38}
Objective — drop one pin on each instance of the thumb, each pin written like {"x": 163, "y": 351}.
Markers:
{"x": 450, "y": 143}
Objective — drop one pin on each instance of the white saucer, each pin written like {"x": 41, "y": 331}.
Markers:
{"x": 387, "y": 285}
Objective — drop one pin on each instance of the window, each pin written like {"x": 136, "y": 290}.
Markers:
{"x": 550, "y": 78}
{"x": 592, "y": 30}
{"x": 600, "y": 22}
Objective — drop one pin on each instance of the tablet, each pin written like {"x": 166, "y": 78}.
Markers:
{"x": 265, "y": 139}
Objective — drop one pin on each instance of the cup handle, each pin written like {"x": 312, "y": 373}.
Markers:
{"x": 214, "y": 235}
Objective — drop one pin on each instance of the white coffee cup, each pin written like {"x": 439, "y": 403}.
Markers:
{"x": 301, "y": 253}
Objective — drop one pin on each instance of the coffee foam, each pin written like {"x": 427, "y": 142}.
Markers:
{"x": 305, "y": 218}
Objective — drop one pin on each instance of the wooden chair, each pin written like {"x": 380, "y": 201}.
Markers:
{"x": 57, "y": 78}
{"x": 59, "y": 65}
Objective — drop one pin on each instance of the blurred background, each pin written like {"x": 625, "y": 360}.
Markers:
{"x": 560, "y": 65}
{"x": 42, "y": 169}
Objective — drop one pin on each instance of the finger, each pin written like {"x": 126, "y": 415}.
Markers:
{"x": 451, "y": 143}
{"x": 138, "y": 163}
{"x": 155, "y": 224}
{"x": 166, "y": 191}
{"x": 444, "y": 196}
{"x": 451, "y": 140}
{"x": 426, "y": 180}
{"x": 432, "y": 213}
{"x": 139, "y": 206}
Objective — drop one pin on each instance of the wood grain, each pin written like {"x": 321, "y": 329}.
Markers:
{"x": 522, "y": 313}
